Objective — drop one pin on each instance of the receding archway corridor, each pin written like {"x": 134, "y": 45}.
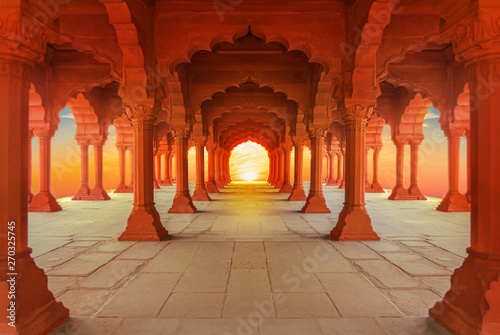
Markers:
{"x": 249, "y": 263}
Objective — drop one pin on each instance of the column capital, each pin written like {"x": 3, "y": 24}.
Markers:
{"x": 22, "y": 37}
{"x": 455, "y": 131}
{"x": 180, "y": 133}
{"x": 400, "y": 141}
{"x": 144, "y": 112}
{"x": 199, "y": 141}
{"x": 43, "y": 132}
{"x": 357, "y": 112}
{"x": 317, "y": 132}
{"x": 476, "y": 36}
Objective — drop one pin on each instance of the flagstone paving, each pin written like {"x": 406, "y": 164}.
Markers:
{"x": 249, "y": 263}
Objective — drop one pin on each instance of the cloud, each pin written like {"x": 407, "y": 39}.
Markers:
{"x": 67, "y": 116}
{"x": 431, "y": 115}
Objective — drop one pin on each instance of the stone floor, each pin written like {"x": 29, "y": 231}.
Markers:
{"x": 249, "y": 263}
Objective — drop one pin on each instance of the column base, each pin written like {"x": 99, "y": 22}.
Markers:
{"x": 471, "y": 306}
{"x": 298, "y": 194}
{"x": 30, "y": 197}
{"x": 342, "y": 184}
{"x": 98, "y": 194}
{"x": 156, "y": 186}
{"x": 182, "y": 203}
{"x": 82, "y": 193}
{"x": 37, "y": 310}
{"x": 166, "y": 183}
{"x": 377, "y": 188}
{"x": 399, "y": 193}
{"x": 315, "y": 203}
{"x": 144, "y": 224}
{"x": 354, "y": 224}
{"x": 415, "y": 193}
{"x": 44, "y": 202}
{"x": 467, "y": 196}
{"x": 200, "y": 194}
{"x": 286, "y": 188}
{"x": 331, "y": 182}
{"x": 219, "y": 185}
{"x": 211, "y": 187}
{"x": 454, "y": 202}
{"x": 130, "y": 188}
{"x": 121, "y": 188}
{"x": 279, "y": 185}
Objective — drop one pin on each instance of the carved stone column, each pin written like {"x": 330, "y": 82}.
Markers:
{"x": 414, "y": 192}
{"x": 218, "y": 171}
{"x": 454, "y": 201}
{"x": 272, "y": 170}
{"x": 84, "y": 190}
{"x": 158, "y": 170}
{"x": 98, "y": 192}
{"x": 399, "y": 192}
{"x": 122, "y": 154}
{"x": 211, "y": 185}
{"x": 167, "y": 163}
{"x": 332, "y": 181}
{"x": 341, "y": 165}
{"x": 130, "y": 187}
{"x": 472, "y": 305}
{"x": 315, "y": 202}
{"x": 354, "y": 223}
{"x": 37, "y": 312}
{"x": 376, "y": 187}
{"x": 298, "y": 193}
{"x": 30, "y": 172}
{"x": 182, "y": 203}
{"x": 200, "y": 192}
{"x": 144, "y": 222}
{"x": 280, "y": 168}
{"x": 468, "y": 193}
{"x": 368, "y": 185}
{"x": 287, "y": 186}
{"x": 44, "y": 201}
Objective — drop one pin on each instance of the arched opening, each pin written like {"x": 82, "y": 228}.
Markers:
{"x": 249, "y": 162}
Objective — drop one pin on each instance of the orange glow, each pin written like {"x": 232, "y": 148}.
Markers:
{"x": 249, "y": 162}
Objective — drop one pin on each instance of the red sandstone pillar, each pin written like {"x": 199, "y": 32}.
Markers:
{"x": 224, "y": 164}
{"x": 368, "y": 186}
{"x": 399, "y": 192}
{"x": 454, "y": 201}
{"x": 414, "y": 191}
{"x": 472, "y": 305}
{"x": 287, "y": 186}
{"x": 298, "y": 193}
{"x": 200, "y": 192}
{"x": 36, "y": 310}
{"x": 315, "y": 202}
{"x": 218, "y": 172}
{"x": 332, "y": 181}
{"x": 280, "y": 168}
{"x": 144, "y": 222}
{"x": 158, "y": 170}
{"x": 272, "y": 169}
{"x": 130, "y": 188}
{"x": 467, "y": 195}
{"x": 98, "y": 192}
{"x": 211, "y": 185}
{"x": 44, "y": 201}
{"x": 122, "y": 186}
{"x": 83, "y": 191}
{"x": 30, "y": 154}
{"x": 354, "y": 222}
{"x": 182, "y": 203}
{"x": 376, "y": 187}
{"x": 166, "y": 170}
{"x": 341, "y": 165}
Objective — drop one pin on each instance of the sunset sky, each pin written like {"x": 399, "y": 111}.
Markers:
{"x": 250, "y": 158}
